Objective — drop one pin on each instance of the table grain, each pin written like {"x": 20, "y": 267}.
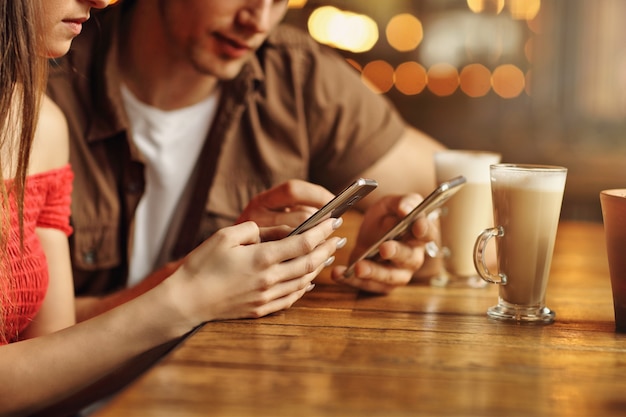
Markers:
{"x": 420, "y": 350}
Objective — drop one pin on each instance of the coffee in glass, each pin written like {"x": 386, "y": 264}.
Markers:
{"x": 463, "y": 216}
{"x": 526, "y": 206}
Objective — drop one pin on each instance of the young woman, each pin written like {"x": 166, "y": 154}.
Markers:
{"x": 44, "y": 355}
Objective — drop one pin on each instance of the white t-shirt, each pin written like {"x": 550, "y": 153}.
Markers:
{"x": 170, "y": 143}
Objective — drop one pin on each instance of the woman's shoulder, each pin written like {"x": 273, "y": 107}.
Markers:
{"x": 51, "y": 144}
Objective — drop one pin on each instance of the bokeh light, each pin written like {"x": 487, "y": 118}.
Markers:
{"x": 481, "y": 6}
{"x": 378, "y": 76}
{"x": 455, "y": 54}
{"x": 475, "y": 80}
{"x": 404, "y": 32}
{"x": 508, "y": 81}
{"x": 410, "y": 78}
{"x": 344, "y": 30}
{"x": 443, "y": 79}
{"x": 296, "y": 4}
{"x": 524, "y": 9}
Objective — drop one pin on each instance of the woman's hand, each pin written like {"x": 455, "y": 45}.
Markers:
{"x": 237, "y": 273}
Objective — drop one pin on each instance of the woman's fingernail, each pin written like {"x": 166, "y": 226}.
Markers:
{"x": 338, "y": 222}
{"x": 329, "y": 261}
{"x": 341, "y": 242}
{"x": 310, "y": 287}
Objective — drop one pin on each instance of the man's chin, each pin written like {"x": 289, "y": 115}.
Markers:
{"x": 231, "y": 70}
{"x": 223, "y": 72}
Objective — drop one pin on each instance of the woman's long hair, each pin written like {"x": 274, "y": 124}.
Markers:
{"x": 22, "y": 82}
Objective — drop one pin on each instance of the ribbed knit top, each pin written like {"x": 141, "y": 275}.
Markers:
{"x": 47, "y": 197}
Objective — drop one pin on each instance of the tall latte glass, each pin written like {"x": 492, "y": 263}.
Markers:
{"x": 464, "y": 216}
{"x": 526, "y": 206}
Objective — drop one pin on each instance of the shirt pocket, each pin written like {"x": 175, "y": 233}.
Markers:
{"x": 96, "y": 247}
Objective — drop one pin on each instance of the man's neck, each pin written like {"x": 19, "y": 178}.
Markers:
{"x": 157, "y": 75}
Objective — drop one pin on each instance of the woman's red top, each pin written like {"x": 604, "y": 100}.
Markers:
{"x": 47, "y": 197}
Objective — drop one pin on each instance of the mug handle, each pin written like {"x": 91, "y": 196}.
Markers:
{"x": 479, "y": 256}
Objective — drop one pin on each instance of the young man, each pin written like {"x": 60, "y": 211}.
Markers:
{"x": 190, "y": 115}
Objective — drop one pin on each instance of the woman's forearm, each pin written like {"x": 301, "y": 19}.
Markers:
{"x": 52, "y": 367}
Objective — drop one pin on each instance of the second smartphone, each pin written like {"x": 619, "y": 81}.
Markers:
{"x": 434, "y": 200}
{"x": 340, "y": 204}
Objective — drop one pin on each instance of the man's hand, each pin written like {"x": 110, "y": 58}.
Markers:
{"x": 289, "y": 203}
{"x": 400, "y": 259}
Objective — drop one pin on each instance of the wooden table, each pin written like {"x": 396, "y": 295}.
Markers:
{"x": 421, "y": 350}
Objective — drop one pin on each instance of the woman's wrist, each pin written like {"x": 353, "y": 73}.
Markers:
{"x": 178, "y": 298}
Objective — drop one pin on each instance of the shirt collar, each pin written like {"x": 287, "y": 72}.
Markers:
{"x": 111, "y": 118}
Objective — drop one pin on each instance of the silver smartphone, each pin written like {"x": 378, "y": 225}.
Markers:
{"x": 340, "y": 204}
{"x": 433, "y": 201}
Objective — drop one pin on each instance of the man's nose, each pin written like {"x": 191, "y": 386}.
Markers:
{"x": 257, "y": 15}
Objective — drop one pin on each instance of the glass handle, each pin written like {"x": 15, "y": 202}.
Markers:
{"x": 479, "y": 256}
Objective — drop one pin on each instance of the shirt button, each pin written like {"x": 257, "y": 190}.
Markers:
{"x": 89, "y": 257}
{"x": 133, "y": 187}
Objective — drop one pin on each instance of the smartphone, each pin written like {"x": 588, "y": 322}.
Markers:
{"x": 433, "y": 201}
{"x": 340, "y": 204}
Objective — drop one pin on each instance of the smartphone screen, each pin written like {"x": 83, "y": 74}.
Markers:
{"x": 433, "y": 201}
{"x": 340, "y": 204}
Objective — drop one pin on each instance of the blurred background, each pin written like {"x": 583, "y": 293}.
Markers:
{"x": 540, "y": 81}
